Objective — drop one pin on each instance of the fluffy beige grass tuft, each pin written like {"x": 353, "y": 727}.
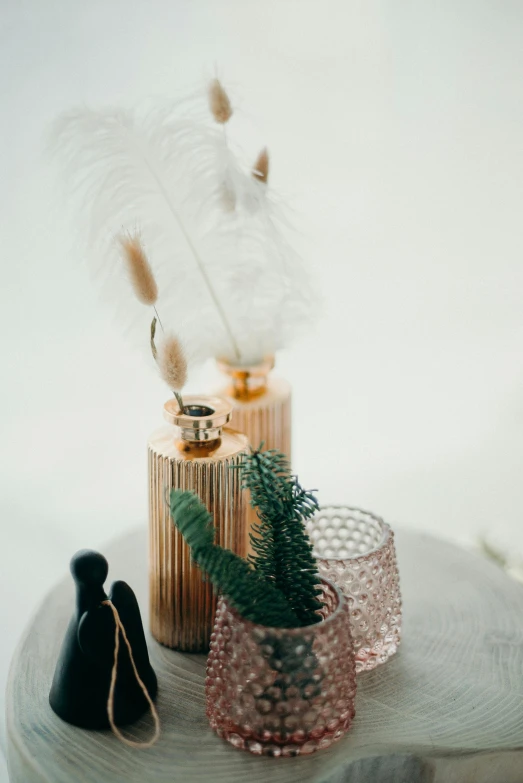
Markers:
{"x": 261, "y": 167}
{"x": 219, "y": 102}
{"x": 172, "y": 363}
{"x": 139, "y": 269}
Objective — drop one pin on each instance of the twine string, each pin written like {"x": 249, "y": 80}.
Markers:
{"x": 114, "y": 674}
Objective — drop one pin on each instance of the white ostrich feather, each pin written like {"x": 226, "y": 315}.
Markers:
{"x": 229, "y": 283}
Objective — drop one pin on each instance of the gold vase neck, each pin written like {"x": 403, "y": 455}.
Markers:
{"x": 202, "y": 418}
{"x": 247, "y": 380}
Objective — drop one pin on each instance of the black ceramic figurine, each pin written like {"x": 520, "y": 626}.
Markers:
{"x": 81, "y": 683}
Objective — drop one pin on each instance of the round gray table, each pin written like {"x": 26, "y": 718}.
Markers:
{"x": 447, "y": 708}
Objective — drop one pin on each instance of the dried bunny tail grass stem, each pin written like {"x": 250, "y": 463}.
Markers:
{"x": 139, "y": 269}
{"x": 173, "y": 365}
{"x": 219, "y": 102}
{"x": 260, "y": 169}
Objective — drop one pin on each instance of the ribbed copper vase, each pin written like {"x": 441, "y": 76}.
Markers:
{"x": 262, "y": 409}
{"x": 193, "y": 452}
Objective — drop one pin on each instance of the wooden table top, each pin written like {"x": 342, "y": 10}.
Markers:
{"x": 448, "y": 707}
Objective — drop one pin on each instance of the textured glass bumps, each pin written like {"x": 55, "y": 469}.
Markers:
{"x": 355, "y": 550}
{"x": 281, "y": 691}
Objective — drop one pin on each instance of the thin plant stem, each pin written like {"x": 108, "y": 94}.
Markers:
{"x": 179, "y": 400}
{"x": 158, "y": 317}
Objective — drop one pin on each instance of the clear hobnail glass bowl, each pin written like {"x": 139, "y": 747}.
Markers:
{"x": 282, "y": 691}
{"x": 355, "y": 550}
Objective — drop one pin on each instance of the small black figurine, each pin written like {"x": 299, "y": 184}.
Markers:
{"x": 80, "y": 689}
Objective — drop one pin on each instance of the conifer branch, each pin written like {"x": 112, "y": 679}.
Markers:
{"x": 253, "y": 596}
{"x": 283, "y": 551}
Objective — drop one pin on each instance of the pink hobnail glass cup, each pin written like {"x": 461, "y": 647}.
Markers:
{"x": 282, "y": 691}
{"x": 355, "y": 550}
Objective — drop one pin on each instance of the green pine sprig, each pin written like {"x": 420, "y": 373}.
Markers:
{"x": 278, "y": 586}
{"x": 253, "y": 596}
{"x": 283, "y": 551}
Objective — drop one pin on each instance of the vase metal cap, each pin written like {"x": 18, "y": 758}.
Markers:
{"x": 256, "y": 369}
{"x": 247, "y": 380}
{"x": 202, "y": 418}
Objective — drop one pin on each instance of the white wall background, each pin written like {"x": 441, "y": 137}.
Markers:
{"x": 396, "y": 128}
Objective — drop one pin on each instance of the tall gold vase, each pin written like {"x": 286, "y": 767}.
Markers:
{"x": 262, "y": 409}
{"x": 193, "y": 451}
